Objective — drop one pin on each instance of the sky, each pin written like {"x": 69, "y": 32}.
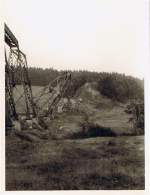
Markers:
{"x": 94, "y": 35}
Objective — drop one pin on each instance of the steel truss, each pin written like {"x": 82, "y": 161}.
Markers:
{"x": 16, "y": 70}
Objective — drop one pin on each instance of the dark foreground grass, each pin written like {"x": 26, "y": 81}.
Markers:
{"x": 101, "y": 163}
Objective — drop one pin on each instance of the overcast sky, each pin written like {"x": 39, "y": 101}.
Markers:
{"x": 97, "y": 35}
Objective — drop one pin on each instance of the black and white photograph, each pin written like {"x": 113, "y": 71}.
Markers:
{"x": 74, "y": 94}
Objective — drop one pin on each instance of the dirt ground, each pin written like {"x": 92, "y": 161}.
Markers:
{"x": 60, "y": 161}
{"x": 101, "y": 163}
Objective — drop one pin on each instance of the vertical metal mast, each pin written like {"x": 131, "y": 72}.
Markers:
{"x": 16, "y": 67}
{"x": 9, "y": 92}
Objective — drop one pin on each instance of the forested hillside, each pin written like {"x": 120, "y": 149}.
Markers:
{"x": 113, "y": 85}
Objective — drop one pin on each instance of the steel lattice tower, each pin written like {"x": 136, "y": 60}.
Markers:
{"x": 16, "y": 70}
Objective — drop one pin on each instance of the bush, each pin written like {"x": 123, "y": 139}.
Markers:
{"x": 120, "y": 87}
{"x": 93, "y": 130}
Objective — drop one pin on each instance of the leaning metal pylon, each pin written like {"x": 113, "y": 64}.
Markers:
{"x": 49, "y": 97}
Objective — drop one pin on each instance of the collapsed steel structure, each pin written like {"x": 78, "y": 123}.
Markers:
{"x": 16, "y": 71}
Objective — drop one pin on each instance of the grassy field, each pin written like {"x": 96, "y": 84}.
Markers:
{"x": 65, "y": 161}
{"x": 84, "y": 164}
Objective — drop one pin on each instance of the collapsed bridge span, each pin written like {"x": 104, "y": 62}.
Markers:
{"x": 45, "y": 103}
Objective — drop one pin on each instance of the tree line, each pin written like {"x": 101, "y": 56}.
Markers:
{"x": 113, "y": 85}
